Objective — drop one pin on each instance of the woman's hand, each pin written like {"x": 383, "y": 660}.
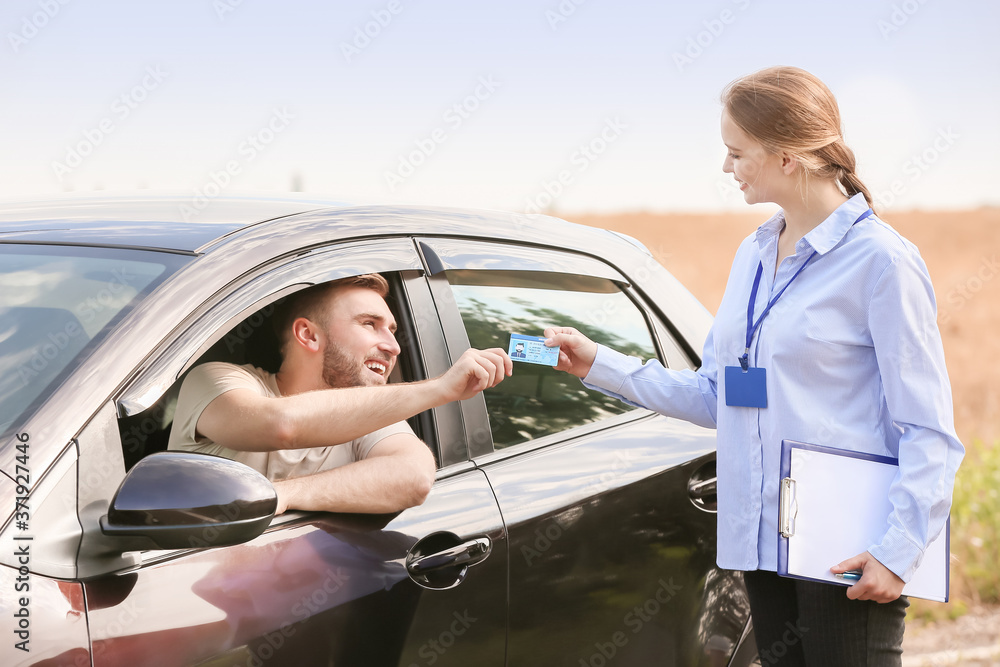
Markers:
{"x": 877, "y": 582}
{"x": 576, "y": 351}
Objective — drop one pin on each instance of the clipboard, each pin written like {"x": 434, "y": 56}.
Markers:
{"x": 834, "y": 504}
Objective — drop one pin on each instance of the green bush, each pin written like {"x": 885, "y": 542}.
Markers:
{"x": 975, "y": 538}
{"x": 975, "y": 525}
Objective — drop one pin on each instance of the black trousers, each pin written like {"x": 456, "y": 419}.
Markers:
{"x": 804, "y": 623}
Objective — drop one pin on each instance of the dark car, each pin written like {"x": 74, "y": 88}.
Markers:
{"x": 564, "y": 528}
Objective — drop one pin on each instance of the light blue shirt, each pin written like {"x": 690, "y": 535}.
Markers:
{"x": 853, "y": 359}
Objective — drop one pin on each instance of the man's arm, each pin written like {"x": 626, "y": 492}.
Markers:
{"x": 244, "y": 420}
{"x": 398, "y": 473}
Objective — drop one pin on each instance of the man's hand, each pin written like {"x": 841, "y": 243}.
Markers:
{"x": 576, "y": 351}
{"x": 877, "y": 582}
{"x": 475, "y": 371}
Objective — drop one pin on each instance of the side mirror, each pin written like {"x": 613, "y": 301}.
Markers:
{"x": 180, "y": 500}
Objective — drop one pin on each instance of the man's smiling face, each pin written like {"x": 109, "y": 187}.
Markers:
{"x": 361, "y": 346}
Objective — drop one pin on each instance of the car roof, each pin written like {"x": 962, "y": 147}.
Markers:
{"x": 166, "y": 222}
{"x": 181, "y": 223}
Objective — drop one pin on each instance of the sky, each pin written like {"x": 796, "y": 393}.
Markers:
{"x": 567, "y": 106}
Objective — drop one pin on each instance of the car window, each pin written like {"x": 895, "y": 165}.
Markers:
{"x": 538, "y": 400}
{"x": 254, "y": 342}
{"x": 55, "y": 303}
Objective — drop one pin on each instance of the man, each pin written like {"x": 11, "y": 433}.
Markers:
{"x": 326, "y": 428}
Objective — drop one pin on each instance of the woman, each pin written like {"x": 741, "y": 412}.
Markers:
{"x": 852, "y": 358}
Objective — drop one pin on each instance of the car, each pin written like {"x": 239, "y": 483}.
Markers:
{"x": 564, "y": 527}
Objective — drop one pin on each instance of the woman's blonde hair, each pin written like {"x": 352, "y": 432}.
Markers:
{"x": 788, "y": 109}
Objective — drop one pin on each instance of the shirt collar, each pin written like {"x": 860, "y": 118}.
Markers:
{"x": 768, "y": 232}
{"x": 826, "y": 235}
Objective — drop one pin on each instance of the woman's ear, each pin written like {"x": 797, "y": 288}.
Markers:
{"x": 788, "y": 164}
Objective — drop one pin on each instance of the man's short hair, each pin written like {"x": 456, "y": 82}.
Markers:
{"x": 310, "y": 303}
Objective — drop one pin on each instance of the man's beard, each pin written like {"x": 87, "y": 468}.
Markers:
{"x": 340, "y": 370}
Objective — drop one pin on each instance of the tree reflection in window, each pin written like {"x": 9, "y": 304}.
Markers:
{"x": 538, "y": 400}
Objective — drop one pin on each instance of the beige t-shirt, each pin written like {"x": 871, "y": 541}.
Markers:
{"x": 208, "y": 381}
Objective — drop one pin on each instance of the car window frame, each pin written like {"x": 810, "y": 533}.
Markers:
{"x": 441, "y": 255}
{"x": 228, "y": 308}
{"x": 213, "y": 319}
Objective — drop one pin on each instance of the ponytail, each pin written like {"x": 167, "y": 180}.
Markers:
{"x": 853, "y": 185}
{"x": 837, "y": 160}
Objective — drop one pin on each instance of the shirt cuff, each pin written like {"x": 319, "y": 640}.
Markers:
{"x": 898, "y": 553}
{"x": 610, "y": 369}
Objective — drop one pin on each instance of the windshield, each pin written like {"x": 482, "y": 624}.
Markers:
{"x": 56, "y": 304}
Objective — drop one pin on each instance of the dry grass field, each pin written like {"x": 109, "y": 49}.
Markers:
{"x": 962, "y": 252}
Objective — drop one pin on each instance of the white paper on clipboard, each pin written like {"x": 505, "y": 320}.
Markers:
{"x": 835, "y": 505}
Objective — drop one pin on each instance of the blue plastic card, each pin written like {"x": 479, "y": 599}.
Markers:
{"x": 746, "y": 388}
{"x": 532, "y": 350}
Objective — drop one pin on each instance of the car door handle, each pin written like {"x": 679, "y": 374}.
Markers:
{"x": 702, "y": 489}
{"x": 465, "y": 554}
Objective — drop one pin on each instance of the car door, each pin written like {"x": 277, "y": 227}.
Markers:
{"x": 425, "y": 586}
{"x": 609, "y": 508}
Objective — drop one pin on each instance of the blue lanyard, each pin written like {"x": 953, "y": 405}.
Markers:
{"x": 751, "y": 327}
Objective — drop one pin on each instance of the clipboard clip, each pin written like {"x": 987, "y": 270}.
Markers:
{"x": 788, "y": 508}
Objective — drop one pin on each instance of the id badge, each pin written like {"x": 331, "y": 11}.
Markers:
{"x": 746, "y": 388}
